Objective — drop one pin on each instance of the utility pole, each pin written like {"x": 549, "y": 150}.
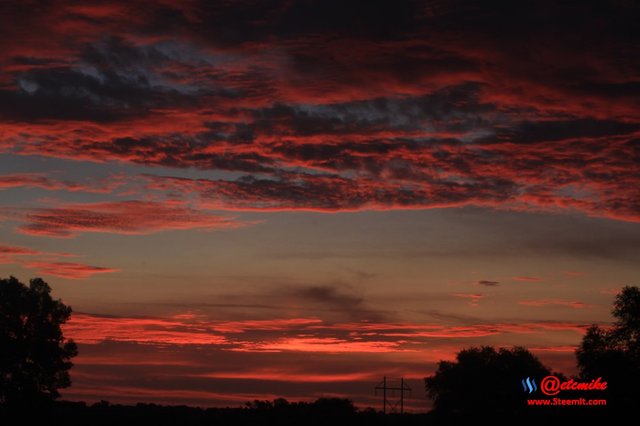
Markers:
{"x": 384, "y": 395}
{"x": 393, "y": 403}
{"x": 402, "y": 395}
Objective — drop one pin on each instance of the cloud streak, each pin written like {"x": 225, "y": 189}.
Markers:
{"x": 40, "y": 180}
{"x": 70, "y": 270}
{"x": 474, "y": 298}
{"x": 553, "y": 302}
{"x": 527, "y": 279}
{"x": 488, "y": 283}
{"x": 8, "y": 253}
{"x": 302, "y": 334}
{"x": 120, "y": 217}
{"x": 49, "y": 263}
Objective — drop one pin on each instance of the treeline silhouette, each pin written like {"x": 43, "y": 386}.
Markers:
{"x": 481, "y": 383}
{"x": 324, "y": 411}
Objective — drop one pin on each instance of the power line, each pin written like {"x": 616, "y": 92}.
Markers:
{"x": 390, "y": 398}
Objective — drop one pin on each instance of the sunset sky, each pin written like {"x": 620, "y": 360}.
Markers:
{"x": 256, "y": 199}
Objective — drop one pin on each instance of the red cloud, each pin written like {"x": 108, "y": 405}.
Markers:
{"x": 330, "y": 193}
{"x": 8, "y": 251}
{"x": 179, "y": 329}
{"x": 557, "y": 302}
{"x": 265, "y": 325}
{"x": 45, "y": 263}
{"x": 321, "y": 345}
{"x": 13, "y": 254}
{"x": 301, "y": 334}
{"x": 421, "y": 120}
{"x": 38, "y": 180}
{"x": 288, "y": 376}
{"x": 465, "y": 177}
{"x": 527, "y": 279}
{"x": 67, "y": 269}
{"x": 123, "y": 217}
{"x": 93, "y": 329}
{"x": 452, "y": 332}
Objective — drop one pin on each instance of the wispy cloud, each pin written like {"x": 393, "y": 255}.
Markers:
{"x": 9, "y": 253}
{"x": 49, "y": 263}
{"x": 71, "y": 270}
{"x": 120, "y": 217}
{"x": 527, "y": 279}
{"x": 322, "y": 345}
{"x": 553, "y": 302}
{"x": 474, "y": 298}
{"x": 42, "y": 181}
{"x": 301, "y": 334}
{"x": 488, "y": 283}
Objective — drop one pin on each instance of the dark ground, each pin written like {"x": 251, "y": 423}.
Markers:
{"x": 333, "y": 412}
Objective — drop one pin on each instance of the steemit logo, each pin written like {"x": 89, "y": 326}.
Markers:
{"x": 529, "y": 385}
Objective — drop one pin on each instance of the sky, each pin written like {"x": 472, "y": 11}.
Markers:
{"x": 256, "y": 199}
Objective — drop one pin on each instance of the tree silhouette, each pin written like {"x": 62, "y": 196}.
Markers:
{"x": 34, "y": 355}
{"x": 483, "y": 381}
{"x": 614, "y": 353}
